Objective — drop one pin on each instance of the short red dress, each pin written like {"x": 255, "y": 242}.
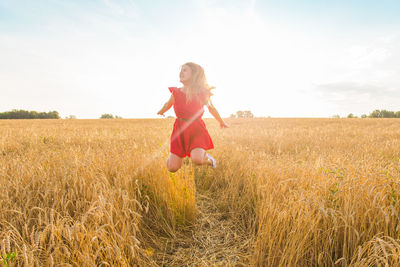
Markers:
{"x": 189, "y": 129}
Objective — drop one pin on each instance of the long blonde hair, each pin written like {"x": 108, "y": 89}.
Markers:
{"x": 198, "y": 81}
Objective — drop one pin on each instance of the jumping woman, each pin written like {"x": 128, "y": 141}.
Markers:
{"x": 190, "y": 136}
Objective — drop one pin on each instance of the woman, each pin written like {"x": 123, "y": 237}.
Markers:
{"x": 190, "y": 136}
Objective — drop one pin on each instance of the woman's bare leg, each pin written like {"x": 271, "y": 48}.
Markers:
{"x": 199, "y": 157}
{"x": 174, "y": 162}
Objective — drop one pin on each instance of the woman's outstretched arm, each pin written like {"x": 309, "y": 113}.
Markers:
{"x": 216, "y": 115}
{"x": 167, "y": 105}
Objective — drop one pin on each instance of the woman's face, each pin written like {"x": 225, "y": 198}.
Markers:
{"x": 186, "y": 74}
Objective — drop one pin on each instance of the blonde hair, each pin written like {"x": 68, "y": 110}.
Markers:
{"x": 198, "y": 81}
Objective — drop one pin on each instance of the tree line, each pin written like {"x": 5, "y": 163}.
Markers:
{"x": 24, "y": 114}
{"x": 378, "y": 114}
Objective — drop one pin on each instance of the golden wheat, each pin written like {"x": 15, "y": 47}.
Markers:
{"x": 287, "y": 192}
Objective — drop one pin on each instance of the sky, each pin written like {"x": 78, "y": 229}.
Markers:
{"x": 287, "y": 58}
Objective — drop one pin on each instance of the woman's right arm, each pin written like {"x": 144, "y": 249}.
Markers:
{"x": 167, "y": 105}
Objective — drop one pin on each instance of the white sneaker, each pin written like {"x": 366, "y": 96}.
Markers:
{"x": 213, "y": 161}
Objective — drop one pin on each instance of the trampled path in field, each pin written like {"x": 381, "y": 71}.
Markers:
{"x": 212, "y": 241}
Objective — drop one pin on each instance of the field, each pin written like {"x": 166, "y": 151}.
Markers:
{"x": 287, "y": 192}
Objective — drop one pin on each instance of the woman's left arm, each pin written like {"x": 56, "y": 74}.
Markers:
{"x": 215, "y": 114}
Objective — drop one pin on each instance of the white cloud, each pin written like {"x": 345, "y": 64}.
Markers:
{"x": 366, "y": 77}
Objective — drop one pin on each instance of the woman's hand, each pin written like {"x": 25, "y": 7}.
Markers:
{"x": 166, "y": 106}
{"x": 222, "y": 124}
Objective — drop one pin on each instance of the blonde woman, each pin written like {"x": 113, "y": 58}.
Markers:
{"x": 190, "y": 136}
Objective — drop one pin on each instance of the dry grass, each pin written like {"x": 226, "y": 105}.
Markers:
{"x": 287, "y": 192}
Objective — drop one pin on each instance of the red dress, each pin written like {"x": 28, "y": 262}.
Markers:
{"x": 189, "y": 129}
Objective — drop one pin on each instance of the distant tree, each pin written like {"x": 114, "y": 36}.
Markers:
{"x": 71, "y": 117}
{"x": 244, "y": 114}
{"x": 363, "y": 116}
{"x": 350, "y": 116}
{"x": 376, "y": 114}
{"x": 397, "y": 114}
{"x": 387, "y": 114}
{"x": 107, "y": 116}
{"x": 248, "y": 114}
{"x": 336, "y": 116}
{"x": 118, "y": 117}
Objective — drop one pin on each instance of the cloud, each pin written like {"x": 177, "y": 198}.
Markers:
{"x": 365, "y": 77}
{"x": 353, "y": 97}
{"x": 372, "y": 59}
{"x": 357, "y": 98}
{"x": 354, "y": 88}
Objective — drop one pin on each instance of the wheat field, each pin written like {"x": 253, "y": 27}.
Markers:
{"x": 287, "y": 192}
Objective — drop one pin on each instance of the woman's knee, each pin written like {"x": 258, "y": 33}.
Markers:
{"x": 174, "y": 163}
{"x": 197, "y": 156}
{"x": 173, "y": 166}
{"x": 198, "y": 160}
